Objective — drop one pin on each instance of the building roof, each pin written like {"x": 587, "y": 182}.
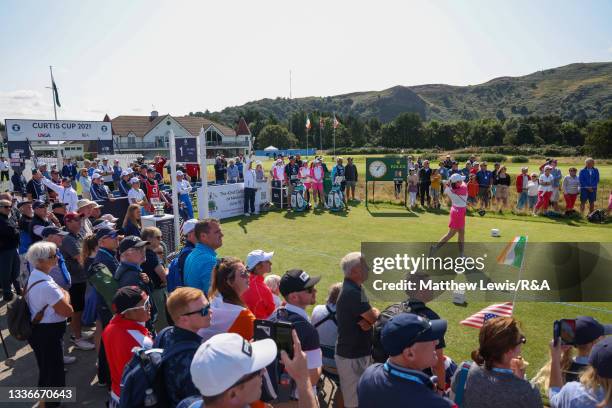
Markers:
{"x": 141, "y": 125}
{"x": 243, "y": 128}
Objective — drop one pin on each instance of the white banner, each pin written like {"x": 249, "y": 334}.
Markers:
{"x": 57, "y": 130}
{"x": 224, "y": 201}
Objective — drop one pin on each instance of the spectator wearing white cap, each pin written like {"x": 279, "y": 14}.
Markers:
{"x": 97, "y": 190}
{"x": 228, "y": 370}
{"x": 136, "y": 195}
{"x": 124, "y": 183}
{"x": 183, "y": 188}
{"x": 65, "y": 192}
{"x": 258, "y": 297}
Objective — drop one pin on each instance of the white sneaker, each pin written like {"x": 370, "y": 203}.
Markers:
{"x": 87, "y": 334}
{"x": 247, "y": 214}
{"x": 83, "y": 344}
{"x": 69, "y": 359}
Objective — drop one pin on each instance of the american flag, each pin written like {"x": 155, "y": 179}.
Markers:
{"x": 498, "y": 310}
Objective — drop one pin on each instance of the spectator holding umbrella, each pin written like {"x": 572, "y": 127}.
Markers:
{"x": 589, "y": 179}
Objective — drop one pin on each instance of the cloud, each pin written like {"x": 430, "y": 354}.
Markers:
{"x": 24, "y": 103}
{"x": 610, "y": 49}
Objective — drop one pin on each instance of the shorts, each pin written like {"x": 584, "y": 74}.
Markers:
{"x": 350, "y": 371}
{"x": 472, "y": 200}
{"x": 457, "y": 218}
{"x": 493, "y": 191}
{"x": 555, "y": 195}
{"x": 532, "y": 200}
{"x": 77, "y": 296}
{"x": 502, "y": 192}
{"x": 350, "y": 183}
{"x": 586, "y": 195}
{"x": 484, "y": 194}
{"x": 317, "y": 187}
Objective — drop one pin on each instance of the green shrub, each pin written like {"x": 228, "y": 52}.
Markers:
{"x": 461, "y": 157}
{"x": 429, "y": 156}
{"x": 520, "y": 159}
{"x": 493, "y": 158}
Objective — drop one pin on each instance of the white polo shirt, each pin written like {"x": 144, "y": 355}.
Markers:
{"x": 546, "y": 179}
{"x": 135, "y": 196}
{"x": 43, "y": 294}
{"x": 183, "y": 187}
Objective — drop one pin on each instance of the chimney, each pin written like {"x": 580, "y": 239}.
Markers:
{"x": 154, "y": 114}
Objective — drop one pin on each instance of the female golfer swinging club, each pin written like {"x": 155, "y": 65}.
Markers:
{"x": 456, "y": 190}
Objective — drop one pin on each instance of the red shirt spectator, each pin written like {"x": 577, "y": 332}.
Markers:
{"x": 472, "y": 188}
{"x": 125, "y": 331}
{"x": 193, "y": 170}
{"x": 258, "y": 297}
{"x": 159, "y": 165}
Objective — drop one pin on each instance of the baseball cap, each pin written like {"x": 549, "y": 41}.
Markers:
{"x": 22, "y": 203}
{"x": 58, "y": 205}
{"x": 52, "y": 231}
{"x": 131, "y": 241}
{"x": 65, "y": 179}
{"x": 72, "y": 215}
{"x": 109, "y": 218}
{"x": 188, "y": 226}
{"x": 257, "y": 256}
{"x": 179, "y": 173}
{"x": 39, "y": 204}
{"x": 224, "y": 359}
{"x": 106, "y": 232}
{"x": 456, "y": 177}
{"x": 105, "y": 159}
{"x": 150, "y": 169}
{"x": 95, "y": 176}
{"x": 547, "y": 167}
{"x": 125, "y": 173}
{"x": 134, "y": 180}
{"x": 127, "y": 297}
{"x": 296, "y": 280}
{"x": 589, "y": 329}
{"x": 601, "y": 358}
{"x": 405, "y": 329}
{"x": 100, "y": 223}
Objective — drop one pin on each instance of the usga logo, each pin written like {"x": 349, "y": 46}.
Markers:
{"x": 16, "y": 127}
{"x": 104, "y": 128}
{"x": 44, "y": 135}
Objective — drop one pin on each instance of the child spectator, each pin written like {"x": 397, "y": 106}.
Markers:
{"x": 472, "y": 191}
{"x": 435, "y": 180}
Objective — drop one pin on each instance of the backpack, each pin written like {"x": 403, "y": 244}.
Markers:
{"x": 18, "y": 316}
{"x": 103, "y": 282}
{"x": 379, "y": 355}
{"x": 597, "y": 216}
{"x": 330, "y": 316}
{"x": 176, "y": 277}
{"x": 461, "y": 382}
{"x": 143, "y": 375}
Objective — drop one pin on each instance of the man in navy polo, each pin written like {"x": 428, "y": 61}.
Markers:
{"x": 485, "y": 180}
{"x": 411, "y": 342}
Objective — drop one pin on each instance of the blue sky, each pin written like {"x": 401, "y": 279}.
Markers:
{"x": 127, "y": 57}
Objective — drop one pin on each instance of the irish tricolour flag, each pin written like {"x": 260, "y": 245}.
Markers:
{"x": 513, "y": 252}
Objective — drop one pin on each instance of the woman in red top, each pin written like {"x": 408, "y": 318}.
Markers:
{"x": 258, "y": 297}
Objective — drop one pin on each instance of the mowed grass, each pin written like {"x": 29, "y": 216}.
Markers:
{"x": 316, "y": 241}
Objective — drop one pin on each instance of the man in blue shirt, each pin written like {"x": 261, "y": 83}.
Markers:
{"x": 411, "y": 342}
{"x": 589, "y": 178}
{"x": 202, "y": 260}
{"x": 117, "y": 170}
{"x": 485, "y": 180}
{"x": 97, "y": 190}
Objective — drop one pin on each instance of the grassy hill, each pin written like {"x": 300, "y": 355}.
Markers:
{"x": 576, "y": 91}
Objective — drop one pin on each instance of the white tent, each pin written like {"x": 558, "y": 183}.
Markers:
{"x": 270, "y": 149}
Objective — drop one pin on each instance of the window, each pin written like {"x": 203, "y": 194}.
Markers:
{"x": 213, "y": 138}
{"x": 131, "y": 140}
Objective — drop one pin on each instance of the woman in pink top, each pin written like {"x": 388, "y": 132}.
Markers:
{"x": 456, "y": 190}
{"x": 306, "y": 179}
{"x": 317, "y": 173}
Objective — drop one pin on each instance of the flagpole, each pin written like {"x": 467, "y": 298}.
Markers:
{"x": 307, "y": 142}
{"x": 320, "y": 136}
{"x": 53, "y": 92}
{"x": 520, "y": 274}
{"x": 334, "y": 126}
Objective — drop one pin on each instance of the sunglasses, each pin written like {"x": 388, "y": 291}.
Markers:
{"x": 5, "y": 206}
{"x": 145, "y": 306}
{"x": 203, "y": 312}
{"x": 522, "y": 340}
{"x": 310, "y": 290}
{"x": 53, "y": 255}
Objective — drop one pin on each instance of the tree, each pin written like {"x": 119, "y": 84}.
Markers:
{"x": 409, "y": 130}
{"x": 277, "y": 136}
{"x": 571, "y": 134}
{"x": 525, "y": 134}
{"x": 598, "y": 140}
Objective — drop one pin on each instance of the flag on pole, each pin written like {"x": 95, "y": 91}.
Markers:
{"x": 55, "y": 94}
{"x": 336, "y": 123}
{"x": 513, "y": 252}
{"x": 308, "y": 125}
{"x": 498, "y": 310}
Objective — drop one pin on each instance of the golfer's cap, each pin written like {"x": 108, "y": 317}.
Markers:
{"x": 476, "y": 163}
{"x": 52, "y": 231}
{"x": 224, "y": 359}
{"x": 95, "y": 176}
{"x": 105, "y": 159}
{"x": 257, "y": 256}
{"x": 258, "y": 163}
{"x": 22, "y": 203}
{"x": 279, "y": 160}
{"x": 127, "y": 297}
{"x": 150, "y": 169}
{"x": 95, "y": 205}
{"x": 116, "y": 161}
{"x": 131, "y": 241}
{"x": 296, "y": 280}
{"x": 524, "y": 168}
{"x": 317, "y": 160}
{"x": 125, "y": 173}
{"x": 456, "y": 177}
{"x": 547, "y": 168}
{"x": 106, "y": 232}
{"x": 601, "y": 358}
{"x": 534, "y": 174}
{"x": 188, "y": 226}
{"x": 405, "y": 329}
{"x": 134, "y": 180}
{"x": 588, "y": 329}
{"x": 109, "y": 218}
{"x": 484, "y": 163}
{"x": 101, "y": 224}
{"x": 39, "y": 204}
{"x": 179, "y": 173}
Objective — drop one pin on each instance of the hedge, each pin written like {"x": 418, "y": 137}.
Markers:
{"x": 520, "y": 159}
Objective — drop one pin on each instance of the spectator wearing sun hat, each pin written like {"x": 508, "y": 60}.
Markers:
{"x": 258, "y": 297}
{"x": 183, "y": 188}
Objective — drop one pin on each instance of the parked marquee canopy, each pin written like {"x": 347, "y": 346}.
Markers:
{"x": 270, "y": 149}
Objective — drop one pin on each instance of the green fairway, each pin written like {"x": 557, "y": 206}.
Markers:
{"x": 316, "y": 241}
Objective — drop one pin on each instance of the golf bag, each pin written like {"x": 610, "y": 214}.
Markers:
{"x": 335, "y": 199}
{"x": 298, "y": 203}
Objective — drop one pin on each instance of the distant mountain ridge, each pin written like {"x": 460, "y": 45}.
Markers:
{"x": 573, "y": 92}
